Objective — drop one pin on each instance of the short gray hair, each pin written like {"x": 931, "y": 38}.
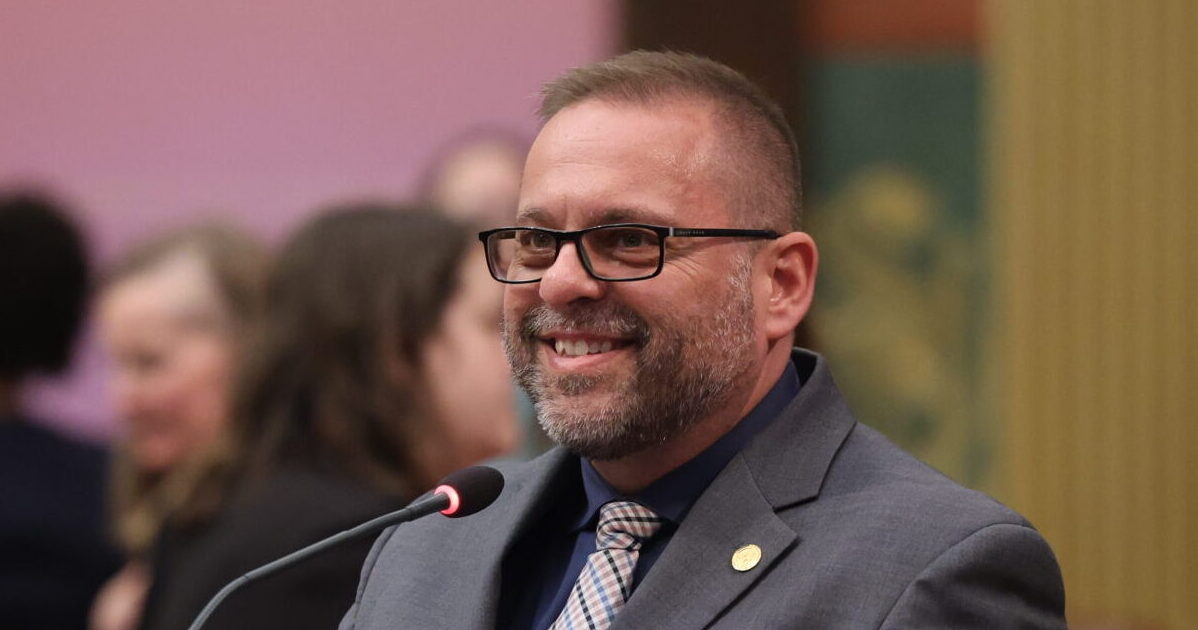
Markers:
{"x": 759, "y": 140}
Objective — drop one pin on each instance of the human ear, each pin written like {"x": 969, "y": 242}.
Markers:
{"x": 790, "y": 267}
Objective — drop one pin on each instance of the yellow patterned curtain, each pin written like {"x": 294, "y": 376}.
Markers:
{"x": 1093, "y": 198}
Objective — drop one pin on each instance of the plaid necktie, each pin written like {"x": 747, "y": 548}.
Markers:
{"x": 606, "y": 581}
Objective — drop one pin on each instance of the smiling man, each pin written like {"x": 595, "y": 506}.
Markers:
{"x": 709, "y": 474}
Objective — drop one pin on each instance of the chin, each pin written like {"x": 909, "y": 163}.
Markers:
{"x": 590, "y": 429}
{"x": 605, "y": 449}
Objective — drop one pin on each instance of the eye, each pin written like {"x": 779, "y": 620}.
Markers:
{"x": 624, "y": 239}
{"x": 532, "y": 239}
{"x": 632, "y": 238}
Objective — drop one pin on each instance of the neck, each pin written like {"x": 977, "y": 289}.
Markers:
{"x": 633, "y": 473}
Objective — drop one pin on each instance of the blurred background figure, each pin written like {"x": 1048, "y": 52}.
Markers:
{"x": 377, "y": 369}
{"x": 173, "y": 314}
{"x": 53, "y": 554}
{"x": 476, "y": 177}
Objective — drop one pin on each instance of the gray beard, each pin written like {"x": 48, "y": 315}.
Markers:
{"x": 685, "y": 370}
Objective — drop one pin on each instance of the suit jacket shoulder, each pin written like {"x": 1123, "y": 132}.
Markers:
{"x": 889, "y": 542}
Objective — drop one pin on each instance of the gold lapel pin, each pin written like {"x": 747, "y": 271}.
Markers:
{"x": 746, "y": 557}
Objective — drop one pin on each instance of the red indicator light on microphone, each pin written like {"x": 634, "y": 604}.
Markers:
{"x": 451, "y": 493}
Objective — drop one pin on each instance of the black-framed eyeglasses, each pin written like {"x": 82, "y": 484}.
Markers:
{"x": 619, "y": 252}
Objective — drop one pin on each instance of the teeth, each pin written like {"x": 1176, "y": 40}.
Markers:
{"x": 580, "y": 347}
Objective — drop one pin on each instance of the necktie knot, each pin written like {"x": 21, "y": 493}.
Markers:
{"x": 625, "y": 525}
{"x": 605, "y": 583}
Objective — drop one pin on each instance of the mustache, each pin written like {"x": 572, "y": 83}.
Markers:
{"x": 606, "y": 318}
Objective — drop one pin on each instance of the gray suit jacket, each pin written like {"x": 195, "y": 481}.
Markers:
{"x": 854, "y": 532}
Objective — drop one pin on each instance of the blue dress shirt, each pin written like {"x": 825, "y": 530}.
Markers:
{"x": 541, "y": 569}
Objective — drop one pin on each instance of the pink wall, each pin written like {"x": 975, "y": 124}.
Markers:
{"x": 148, "y": 114}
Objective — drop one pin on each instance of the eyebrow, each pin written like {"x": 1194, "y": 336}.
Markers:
{"x": 531, "y": 215}
{"x": 606, "y": 216}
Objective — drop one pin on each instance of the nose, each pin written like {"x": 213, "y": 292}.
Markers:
{"x": 566, "y": 280}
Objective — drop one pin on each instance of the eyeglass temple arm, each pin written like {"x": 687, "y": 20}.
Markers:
{"x": 722, "y": 232}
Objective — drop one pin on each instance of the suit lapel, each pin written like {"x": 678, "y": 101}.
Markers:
{"x": 696, "y": 567}
{"x": 783, "y": 466}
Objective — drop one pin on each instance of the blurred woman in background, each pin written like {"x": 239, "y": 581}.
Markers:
{"x": 475, "y": 177}
{"x": 172, "y": 314}
{"x": 377, "y": 369}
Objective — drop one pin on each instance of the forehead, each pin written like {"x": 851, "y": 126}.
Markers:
{"x": 170, "y": 292}
{"x": 598, "y": 162}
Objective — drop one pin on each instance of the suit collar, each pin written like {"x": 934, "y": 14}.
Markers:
{"x": 790, "y": 459}
{"x": 783, "y": 466}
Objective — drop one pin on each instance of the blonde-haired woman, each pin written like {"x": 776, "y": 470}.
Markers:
{"x": 172, "y": 314}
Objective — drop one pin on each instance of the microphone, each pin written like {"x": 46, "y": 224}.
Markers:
{"x": 461, "y": 493}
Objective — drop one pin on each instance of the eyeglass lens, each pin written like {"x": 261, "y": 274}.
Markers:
{"x": 615, "y": 252}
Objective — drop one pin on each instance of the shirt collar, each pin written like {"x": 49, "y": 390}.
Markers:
{"x": 672, "y": 496}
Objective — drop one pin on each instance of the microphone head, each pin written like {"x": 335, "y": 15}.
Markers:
{"x": 470, "y": 490}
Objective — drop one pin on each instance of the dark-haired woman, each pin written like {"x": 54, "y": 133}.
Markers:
{"x": 378, "y": 369}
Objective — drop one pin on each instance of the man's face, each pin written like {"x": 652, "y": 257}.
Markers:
{"x": 618, "y": 367}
